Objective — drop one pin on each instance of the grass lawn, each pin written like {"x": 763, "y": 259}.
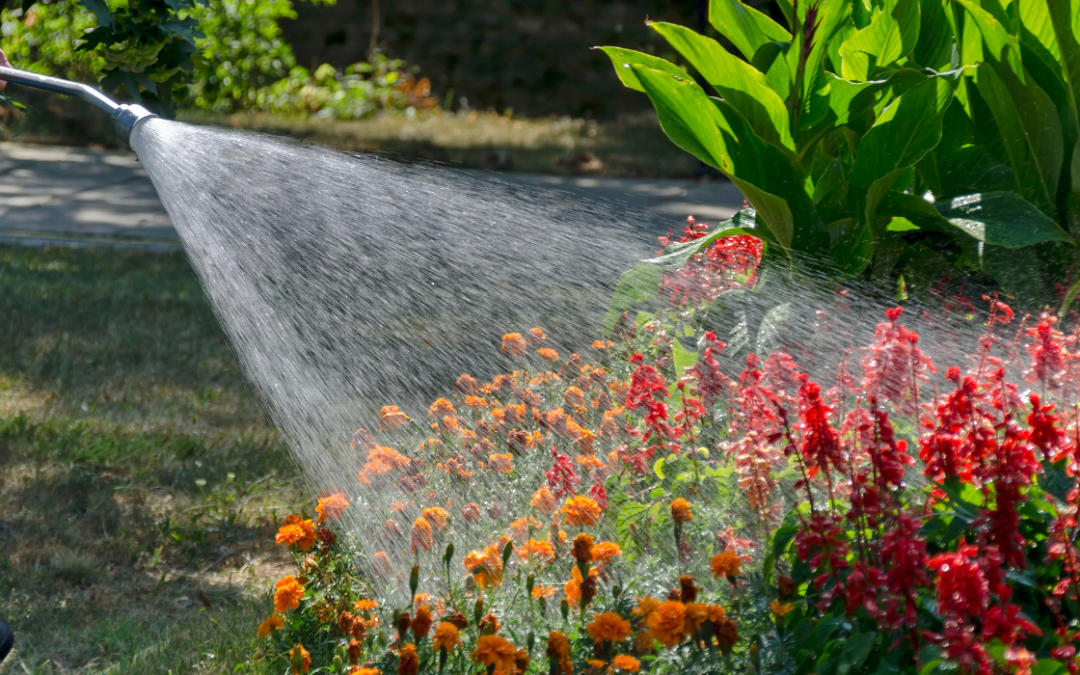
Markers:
{"x": 141, "y": 479}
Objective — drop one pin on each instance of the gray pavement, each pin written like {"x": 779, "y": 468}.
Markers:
{"x": 77, "y": 196}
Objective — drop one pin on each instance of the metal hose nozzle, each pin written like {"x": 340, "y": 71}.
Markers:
{"x": 124, "y": 116}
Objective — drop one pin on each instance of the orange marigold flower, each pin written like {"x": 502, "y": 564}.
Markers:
{"x": 645, "y": 606}
{"x": 421, "y": 623}
{"x": 605, "y": 551}
{"x": 297, "y": 530}
{"x": 357, "y": 670}
{"x": 400, "y": 506}
{"x": 287, "y": 594}
{"x": 716, "y": 613}
{"x": 548, "y": 353}
{"x": 272, "y": 623}
{"x": 581, "y": 511}
{"x": 583, "y": 544}
{"x": 501, "y": 463}
{"x": 626, "y": 662}
{"x": 520, "y": 527}
{"x": 609, "y": 626}
{"x": 408, "y": 660}
{"x": 392, "y": 418}
{"x": 365, "y": 605}
{"x": 470, "y": 512}
{"x": 536, "y": 336}
{"x": 558, "y": 651}
{"x": 696, "y": 616}
{"x": 727, "y": 634}
{"x": 542, "y": 592}
{"x": 780, "y": 609}
{"x": 300, "y": 659}
{"x": 574, "y": 396}
{"x": 596, "y": 664}
{"x": 354, "y": 651}
{"x": 441, "y": 408}
{"x": 680, "y": 511}
{"x": 485, "y": 566}
{"x": 521, "y": 662}
{"x": 602, "y": 344}
{"x": 476, "y": 401}
{"x": 493, "y": 650}
{"x": 726, "y": 564}
{"x": 543, "y": 501}
{"x": 572, "y": 588}
{"x": 382, "y": 565}
{"x": 667, "y": 623}
{"x": 513, "y": 344}
{"x": 438, "y": 517}
{"x": 468, "y": 385}
{"x": 446, "y": 637}
{"x": 422, "y": 536}
{"x": 331, "y": 508}
{"x": 543, "y": 550}
{"x": 589, "y": 461}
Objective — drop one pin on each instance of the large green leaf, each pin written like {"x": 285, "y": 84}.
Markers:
{"x": 831, "y": 17}
{"x": 996, "y": 218}
{"x": 623, "y": 58}
{"x": 850, "y": 100}
{"x": 890, "y": 36}
{"x": 723, "y": 138}
{"x": 676, "y": 255}
{"x": 852, "y": 247}
{"x": 1030, "y": 129}
{"x": 1000, "y": 45}
{"x": 746, "y": 27}
{"x": 1002, "y": 219}
{"x": 741, "y": 85}
{"x": 936, "y": 36}
{"x": 905, "y": 131}
{"x": 1065, "y": 21}
{"x": 637, "y": 285}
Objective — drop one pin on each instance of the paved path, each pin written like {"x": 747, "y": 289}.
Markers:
{"x": 76, "y": 196}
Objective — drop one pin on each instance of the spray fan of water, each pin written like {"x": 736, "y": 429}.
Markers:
{"x": 347, "y": 283}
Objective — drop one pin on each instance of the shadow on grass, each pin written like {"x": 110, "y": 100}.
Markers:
{"x": 140, "y": 481}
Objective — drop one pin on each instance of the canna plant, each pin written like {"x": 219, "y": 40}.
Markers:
{"x": 882, "y": 138}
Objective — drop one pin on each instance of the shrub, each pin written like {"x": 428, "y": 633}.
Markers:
{"x": 221, "y": 55}
{"x": 888, "y": 137}
{"x": 653, "y": 511}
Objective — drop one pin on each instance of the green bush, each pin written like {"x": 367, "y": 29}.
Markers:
{"x": 238, "y": 60}
{"x": 889, "y": 137}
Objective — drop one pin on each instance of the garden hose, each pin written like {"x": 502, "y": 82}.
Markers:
{"x": 124, "y": 116}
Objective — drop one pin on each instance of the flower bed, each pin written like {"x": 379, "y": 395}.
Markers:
{"x": 647, "y": 511}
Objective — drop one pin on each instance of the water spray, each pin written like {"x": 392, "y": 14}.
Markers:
{"x": 125, "y": 116}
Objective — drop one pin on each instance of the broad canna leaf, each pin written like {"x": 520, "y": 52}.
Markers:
{"x": 1065, "y": 21}
{"x": 936, "y": 36}
{"x": 894, "y": 33}
{"x": 830, "y": 17}
{"x": 719, "y": 136}
{"x": 1030, "y": 130}
{"x": 741, "y": 85}
{"x": 623, "y": 58}
{"x": 995, "y": 218}
{"x": 998, "y": 43}
{"x": 905, "y": 131}
{"x": 746, "y": 28}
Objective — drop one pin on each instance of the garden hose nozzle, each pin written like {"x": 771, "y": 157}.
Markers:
{"x": 125, "y": 117}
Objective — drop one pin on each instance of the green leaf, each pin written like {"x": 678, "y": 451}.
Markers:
{"x": 677, "y": 254}
{"x": 682, "y": 358}
{"x": 623, "y": 58}
{"x": 1065, "y": 20}
{"x": 935, "y": 45}
{"x": 771, "y": 329}
{"x": 1002, "y": 219}
{"x": 832, "y": 17}
{"x": 890, "y": 36}
{"x": 853, "y": 246}
{"x": 1048, "y": 667}
{"x": 998, "y": 43}
{"x": 857, "y": 649}
{"x": 746, "y": 27}
{"x": 636, "y": 285}
{"x": 741, "y": 85}
{"x": 905, "y": 131}
{"x": 1030, "y": 130}
{"x": 658, "y": 468}
{"x": 718, "y": 135}
{"x": 100, "y": 10}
